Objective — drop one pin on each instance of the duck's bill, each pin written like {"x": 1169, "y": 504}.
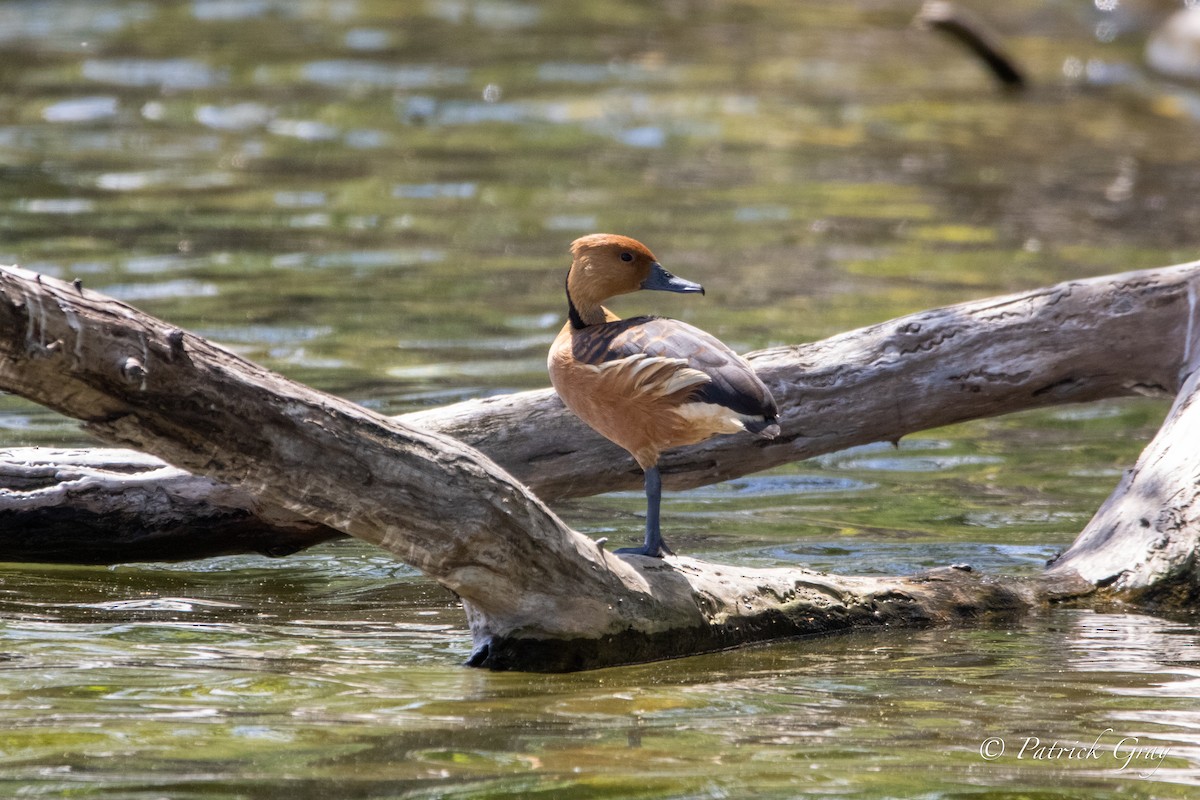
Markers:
{"x": 660, "y": 280}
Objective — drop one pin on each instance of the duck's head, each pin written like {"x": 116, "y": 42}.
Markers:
{"x": 605, "y": 265}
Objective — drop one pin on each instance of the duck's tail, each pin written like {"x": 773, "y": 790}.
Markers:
{"x": 765, "y": 428}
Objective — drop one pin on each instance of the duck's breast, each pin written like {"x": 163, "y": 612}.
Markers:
{"x": 649, "y": 384}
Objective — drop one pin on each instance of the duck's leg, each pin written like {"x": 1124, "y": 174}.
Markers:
{"x": 654, "y": 546}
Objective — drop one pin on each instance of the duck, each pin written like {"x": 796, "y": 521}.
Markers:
{"x": 648, "y": 383}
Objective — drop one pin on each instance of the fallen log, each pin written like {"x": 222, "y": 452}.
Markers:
{"x": 540, "y": 596}
{"x": 1076, "y": 342}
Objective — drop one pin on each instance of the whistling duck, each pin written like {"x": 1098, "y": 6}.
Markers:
{"x": 647, "y": 383}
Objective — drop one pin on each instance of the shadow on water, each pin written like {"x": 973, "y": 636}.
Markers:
{"x": 376, "y": 199}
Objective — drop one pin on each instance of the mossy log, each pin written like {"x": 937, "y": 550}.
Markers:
{"x": 540, "y": 596}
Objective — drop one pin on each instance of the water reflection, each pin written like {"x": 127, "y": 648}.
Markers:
{"x": 359, "y": 259}
{"x": 1135, "y": 643}
{"x": 81, "y": 109}
{"x": 75, "y": 205}
{"x": 136, "y": 292}
{"x": 429, "y": 191}
{"x": 308, "y": 130}
{"x": 166, "y": 74}
{"x": 493, "y": 14}
{"x": 57, "y": 25}
{"x": 346, "y": 73}
{"x": 236, "y": 117}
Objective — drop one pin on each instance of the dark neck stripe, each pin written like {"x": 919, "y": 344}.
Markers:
{"x": 572, "y": 312}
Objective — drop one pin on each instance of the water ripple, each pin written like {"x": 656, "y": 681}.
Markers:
{"x": 158, "y": 604}
{"x": 230, "y": 10}
{"x": 368, "y": 259}
{"x": 340, "y": 73}
{"x": 432, "y": 191}
{"x": 777, "y": 485}
{"x": 166, "y": 74}
{"x": 300, "y": 199}
{"x": 57, "y": 205}
{"x": 130, "y": 292}
{"x": 236, "y": 117}
{"x": 65, "y": 23}
{"x": 491, "y": 14}
{"x": 367, "y": 39}
{"x": 925, "y": 464}
{"x": 567, "y": 72}
{"x": 265, "y": 334}
{"x": 81, "y": 109}
{"x": 309, "y": 130}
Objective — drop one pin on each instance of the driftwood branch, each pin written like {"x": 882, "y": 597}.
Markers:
{"x": 1076, "y": 342}
{"x": 1142, "y": 543}
{"x": 538, "y": 595}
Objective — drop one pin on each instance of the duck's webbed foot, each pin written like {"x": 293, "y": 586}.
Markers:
{"x": 651, "y": 549}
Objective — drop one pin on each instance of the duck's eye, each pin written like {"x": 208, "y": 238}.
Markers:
{"x": 627, "y": 256}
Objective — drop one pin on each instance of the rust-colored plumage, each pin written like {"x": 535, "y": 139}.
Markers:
{"x": 646, "y": 383}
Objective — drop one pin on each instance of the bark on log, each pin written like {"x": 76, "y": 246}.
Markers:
{"x": 537, "y": 595}
{"x": 1142, "y": 544}
{"x": 111, "y": 506}
{"x": 1076, "y": 342}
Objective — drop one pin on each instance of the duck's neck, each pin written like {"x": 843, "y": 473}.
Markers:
{"x": 583, "y": 313}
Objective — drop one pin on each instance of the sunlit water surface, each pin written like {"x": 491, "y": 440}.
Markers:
{"x": 376, "y": 198}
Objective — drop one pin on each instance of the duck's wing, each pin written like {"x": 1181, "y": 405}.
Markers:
{"x": 675, "y": 355}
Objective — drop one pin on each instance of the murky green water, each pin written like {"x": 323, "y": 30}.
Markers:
{"x": 376, "y": 198}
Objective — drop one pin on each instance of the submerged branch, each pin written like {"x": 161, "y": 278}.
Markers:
{"x": 976, "y": 36}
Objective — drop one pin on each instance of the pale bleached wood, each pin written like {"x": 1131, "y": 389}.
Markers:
{"x": 1142, "y": 543}
{"x": 536, "y": 594}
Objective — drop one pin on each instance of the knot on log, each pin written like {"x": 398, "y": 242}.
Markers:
{"x": 133, "y": 372}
